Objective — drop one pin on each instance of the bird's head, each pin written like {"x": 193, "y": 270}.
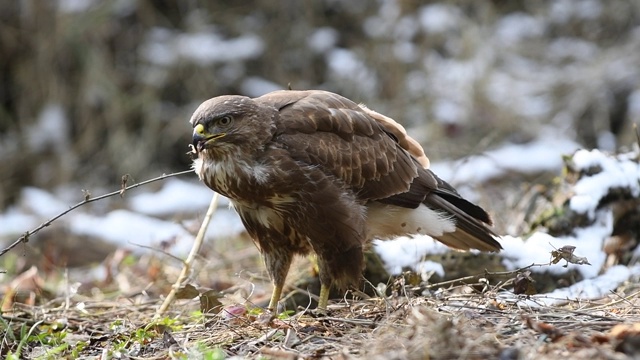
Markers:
{"x": 227, "y": 123}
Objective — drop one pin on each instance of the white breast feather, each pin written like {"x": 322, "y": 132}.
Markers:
{"x": 217, "y": 173}
{"x": 198, "y": 167}
{"x": 223, "y": 171}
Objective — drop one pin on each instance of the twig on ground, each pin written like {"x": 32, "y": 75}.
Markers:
{"x": 87, "y": 199}
{"x": 359, "y": 322}
{"x": 486, "y": 273}
{"x": 186, "y": 267}
{"x": 620, "y": 300}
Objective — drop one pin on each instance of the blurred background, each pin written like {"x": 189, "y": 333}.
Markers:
{"x": 496, "y": 91}
{"x": 91, "y": 90}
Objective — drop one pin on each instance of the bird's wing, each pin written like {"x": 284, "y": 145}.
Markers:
{"x": 373, "y": 155}
{"x": 327, "y": 130}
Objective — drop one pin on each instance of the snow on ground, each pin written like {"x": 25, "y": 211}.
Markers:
{"x": 591, "y": 288}
{"x": 538, "y": 247}
{"x": 127, "y": 229}
{"x": 15, "y": 222}
{"x": 176, "y": 196}
{"x": 617, "y": 172}
{"x": 41, "y": 203}
{"x": 142, "y": 224}
{"x": 542, "y": 154}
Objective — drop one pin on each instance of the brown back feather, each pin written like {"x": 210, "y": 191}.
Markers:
{"x": 333, "y": 132}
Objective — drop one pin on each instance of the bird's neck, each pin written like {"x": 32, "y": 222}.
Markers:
{"x": 229, "y": 174}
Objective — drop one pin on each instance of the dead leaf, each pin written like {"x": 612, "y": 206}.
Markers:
{"x": 627, "y": 339}
{"x": 566, "y": 253}
{"x": 551, "y": 331}
{"x": 624, "y": 330}
{"x": 187, "y": 292}
{"x": 210, "y": 302}
{"x": 523, "y": 284}
{"x": 25, "y": 288}
{"x": 168, "y": 339}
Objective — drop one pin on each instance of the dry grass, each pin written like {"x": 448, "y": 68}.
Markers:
{"x": 62, "y": 312}
{"x": 453, "y": 323}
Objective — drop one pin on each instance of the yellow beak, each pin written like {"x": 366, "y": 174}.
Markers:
{"x": 201, "y": 137}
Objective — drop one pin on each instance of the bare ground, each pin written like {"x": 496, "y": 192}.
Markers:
{"x": 117, "y": 319}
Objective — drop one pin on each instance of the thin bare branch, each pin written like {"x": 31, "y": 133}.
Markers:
{"x": 87, "y": 199}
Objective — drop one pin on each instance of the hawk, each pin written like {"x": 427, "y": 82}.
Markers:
{"x": 312, "y": 171}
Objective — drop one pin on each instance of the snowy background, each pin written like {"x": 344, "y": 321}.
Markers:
{"x": 497, "y": 93}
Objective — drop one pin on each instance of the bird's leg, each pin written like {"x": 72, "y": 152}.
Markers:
{"x": 277, "y": 264}
{"x": 324, "y": 295}
{"x": 325, "y": 287}
{"x": 325, "y": 284}
{"x": 275, "y": 297}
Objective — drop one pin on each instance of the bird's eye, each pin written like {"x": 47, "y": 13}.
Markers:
{"x": 225, "y": 120}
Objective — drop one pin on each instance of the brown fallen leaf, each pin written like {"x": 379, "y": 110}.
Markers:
{"x": 210, "y": 302}
{"x": 566, "y": 253}
{"x": 25, "y": 288}
{"x": 187, "y": 291}
{"x": 626, "y": 338}
{"x": 523, "y": 283}
{"x": 551, "y": 331}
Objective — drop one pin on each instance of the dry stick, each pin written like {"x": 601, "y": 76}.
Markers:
{"x": 192, "y": 256}
{"x": 486, "y": 273}
{"x": 622, "y": 299}
{"x": 88, "y": 199}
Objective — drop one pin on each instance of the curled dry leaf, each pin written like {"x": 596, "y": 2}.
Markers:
{"x": 523, "y": 283}
{"x": 210, "y": 302}
{"x": 566, "y": 253}
{"x": 187, "y": 292}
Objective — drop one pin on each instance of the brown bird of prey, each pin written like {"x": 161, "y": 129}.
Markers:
{"x": 312, "y": 171}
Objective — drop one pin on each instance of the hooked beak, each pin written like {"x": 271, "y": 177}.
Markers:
{"x": 201, "y": 138}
